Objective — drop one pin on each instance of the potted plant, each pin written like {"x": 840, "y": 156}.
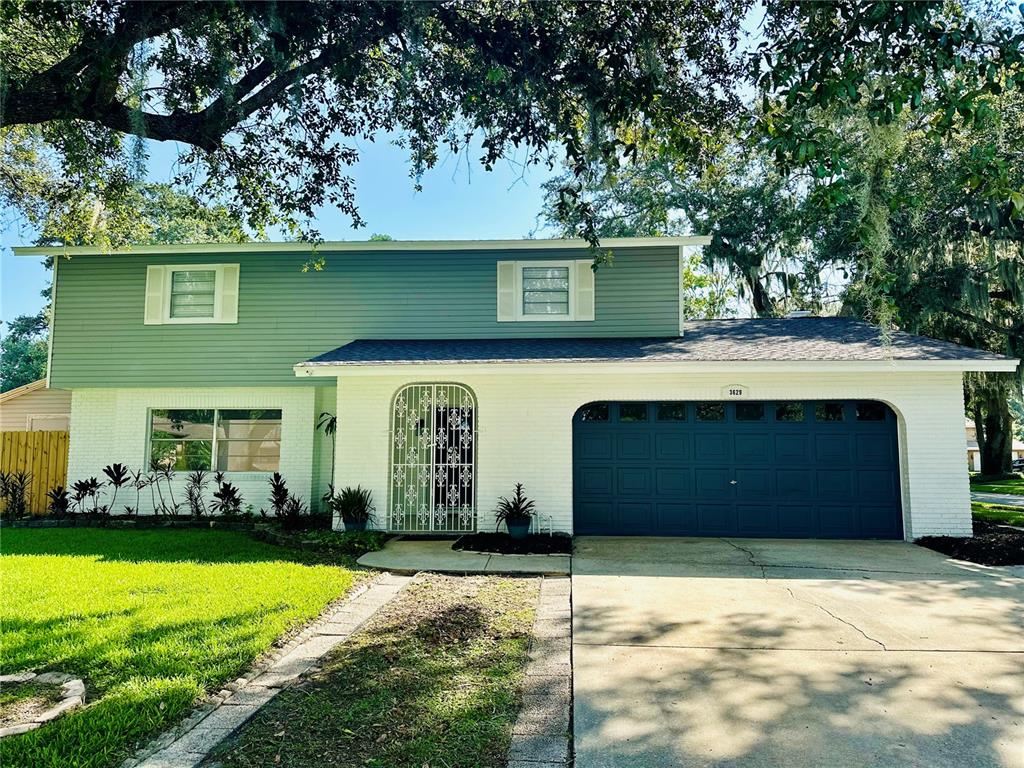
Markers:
{"x": 516, "y": 513}
{"x": 354, "y": 506}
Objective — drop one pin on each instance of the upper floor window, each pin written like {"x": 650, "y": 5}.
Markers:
{"x": 192, "y": 293}
{"x": 545, "y": 290}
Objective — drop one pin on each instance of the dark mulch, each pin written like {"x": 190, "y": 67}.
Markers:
{"x": 991, "y": 544}
{"x": 502, "y": 543}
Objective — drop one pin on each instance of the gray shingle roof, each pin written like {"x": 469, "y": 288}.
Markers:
{"x": 798, "y": 339}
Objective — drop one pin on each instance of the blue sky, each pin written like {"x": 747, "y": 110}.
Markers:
{"x": 460, "y": 200}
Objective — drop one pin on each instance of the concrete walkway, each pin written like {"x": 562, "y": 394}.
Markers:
{"x": 744, "y": 653}
{"x": 187, "y": 745}
{"x": 1006, "y": 499}
{"x": 415, "y": 555}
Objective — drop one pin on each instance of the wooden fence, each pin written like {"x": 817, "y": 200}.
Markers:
{"x": 44, "y": 455}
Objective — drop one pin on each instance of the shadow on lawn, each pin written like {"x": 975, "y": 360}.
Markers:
{"x": 159, "y": 545}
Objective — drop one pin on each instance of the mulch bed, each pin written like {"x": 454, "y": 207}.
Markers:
{"x": 503, "y": 544}
{"x": 991, "y": 544}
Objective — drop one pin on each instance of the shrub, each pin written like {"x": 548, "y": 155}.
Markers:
{"x": 194, "y": 489}
{"x": 278, "y": 494}
{"x": 59, "y": 503}
{"x": 117, "y": 476}
{"x": 518, "y": 510}
{"x": 228, "y": 501}
{"x": 353, "y": 505}
{"x": 293, "y": 513}
{"x": 14, "y": 493}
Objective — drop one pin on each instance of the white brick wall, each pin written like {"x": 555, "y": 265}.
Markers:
{"x": 525, "y": 431}
{"x": 112, "y": 425}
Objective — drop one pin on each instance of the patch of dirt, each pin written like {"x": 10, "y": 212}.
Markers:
{"x": 991, "y": 544}
{"x": 502, "y": 543}
{"x": 24, "y": 702}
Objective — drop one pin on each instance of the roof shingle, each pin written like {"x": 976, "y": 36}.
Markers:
{"x": 798, "y": 339}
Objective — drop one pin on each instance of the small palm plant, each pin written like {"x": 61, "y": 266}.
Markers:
{"x": 516, "y": 513}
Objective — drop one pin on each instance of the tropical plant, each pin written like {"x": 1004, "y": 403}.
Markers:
{"x": 353, "y": 505}
{"x": 58, "y": 503}
{"x": 328, "y": 422}
{"x": 227, "y": 499}
{"x": 117, "y": 476}
{"x": 278, "y": 494}
{"x": 14, "y": 491}
{"x": 519, "y": 510}
{"x": 86, "y": 490}
{"x": 294, "y": 513}
{"x": 195, "y": 486}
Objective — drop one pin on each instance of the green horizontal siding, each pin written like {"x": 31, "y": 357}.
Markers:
{"x": 286, "y": 316}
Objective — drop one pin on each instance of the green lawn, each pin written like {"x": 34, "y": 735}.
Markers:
{"x": 149, "y": 619}
{"x": 432, "y": 681}
{"x": 995, "y": 513}
{"x": 1015, "y": 487}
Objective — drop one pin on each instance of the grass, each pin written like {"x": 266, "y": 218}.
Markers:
{"x": 994, "y": 513}
{"x": 151, "y": 620}
{"x": 1014, "y": 487}
{"x": 432, "y": 681}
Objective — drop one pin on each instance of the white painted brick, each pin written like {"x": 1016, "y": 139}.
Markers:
{"x": 525, "y": 431}
{"x": 112, "y": 425}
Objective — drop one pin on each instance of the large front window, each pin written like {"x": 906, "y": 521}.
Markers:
{"x": 227, "y": 440}
{"x": 546, "y": 290}
{"x": 433, "y": 451}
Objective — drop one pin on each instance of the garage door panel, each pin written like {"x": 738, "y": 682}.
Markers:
{"x": 595, "y": 480}
{"x": 676, "y": 518}
{"x": 712, "y": 482}
{"x": 794, "y": 483}
{"x": 753, "y": 483}
{"x": 838, "y": 520}
{"x": 710, "y": 447}
{"x": 797, "y": 520}
{"x": 756, "y": 519}
{"x": 635, "y": 516}
{"x": 792, "y": 449}
{"x": 594, "y": 446}
{"x": 636, "y": 446}
{"x": 753, "y": 449}
{"x": 633, "y": 481}
{"x": 825, "y": 475}
{"x": 832, "y": 449}
{"x": 671, "y": 447}
{"x": 716, "y": 519}
{"x": 833, "y": 483}
{"x": 673, "y": 482}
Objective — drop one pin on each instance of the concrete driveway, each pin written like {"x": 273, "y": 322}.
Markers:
{"x": 712, "y": 652}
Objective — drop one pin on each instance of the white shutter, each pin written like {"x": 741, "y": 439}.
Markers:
{"x": 156, "y": 295}
{"x": 584, "y": 290}
{"x": 228, "y": 299}
{"x": 506, "y": 291}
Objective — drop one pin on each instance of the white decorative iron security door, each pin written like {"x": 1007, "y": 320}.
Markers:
{"x": 433, "y": 459}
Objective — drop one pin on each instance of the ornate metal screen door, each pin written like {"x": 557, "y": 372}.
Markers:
{"x": 433, "y": 453}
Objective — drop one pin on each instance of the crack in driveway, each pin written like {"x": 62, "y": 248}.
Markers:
{"x": 838, "y": 618}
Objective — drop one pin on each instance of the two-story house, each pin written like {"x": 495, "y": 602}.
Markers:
{"x": 457, "y": 369}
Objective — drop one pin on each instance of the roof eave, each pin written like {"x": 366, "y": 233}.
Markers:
{"x": 334, "y": 369}
{"x": 365, "y": 245}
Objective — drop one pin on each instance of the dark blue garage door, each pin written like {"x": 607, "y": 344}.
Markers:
{"x": 777, "y": 469}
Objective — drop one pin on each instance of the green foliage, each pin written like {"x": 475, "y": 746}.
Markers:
{"x": 14, "y": 491}
{"x": 517, "y": 510}
{"x": 23, "y": 351}
{"x": 269, "y": 100}
{"x": 151, "y": 619}
{"x": 353, "y": 505}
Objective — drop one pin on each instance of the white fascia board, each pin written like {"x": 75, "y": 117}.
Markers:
{"x": 634, "y": 367}
{"x": 368, "y": 245}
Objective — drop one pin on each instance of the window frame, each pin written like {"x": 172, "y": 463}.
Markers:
{"x": 570, "y": 266}
{"x": 214, "y": 440}
{"x": 218, "y": 294}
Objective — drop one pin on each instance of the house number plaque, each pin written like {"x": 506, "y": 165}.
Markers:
{"x": 735, "y": 391}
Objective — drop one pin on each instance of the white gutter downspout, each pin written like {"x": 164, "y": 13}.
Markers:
{"x": 53, "y": 314}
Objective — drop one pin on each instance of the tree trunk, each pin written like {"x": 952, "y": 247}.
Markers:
{"x": 995, "y": 440}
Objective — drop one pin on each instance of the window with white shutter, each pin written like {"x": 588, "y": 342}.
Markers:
{"x": 531, "y": 291}
{"x": 191, "y": 294}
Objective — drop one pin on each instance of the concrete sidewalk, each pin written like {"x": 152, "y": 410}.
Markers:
{"x": 414, "y": 555}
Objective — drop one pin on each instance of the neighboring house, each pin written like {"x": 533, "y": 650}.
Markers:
{"x": 974, "y": 453}
{"x": 457, "y": 369}
{"x": 35, "y": 407}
